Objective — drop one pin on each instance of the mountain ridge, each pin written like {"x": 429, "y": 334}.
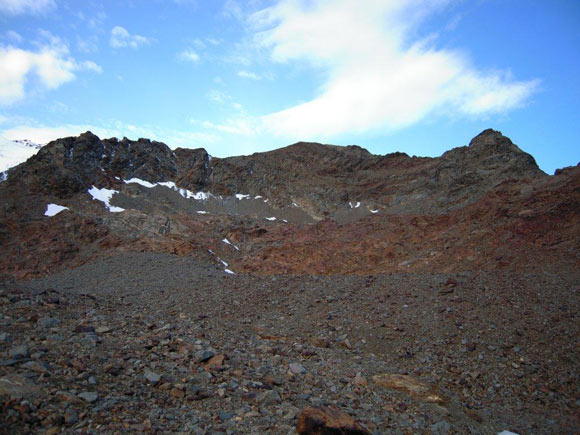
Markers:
{"x": 291, "y": 210}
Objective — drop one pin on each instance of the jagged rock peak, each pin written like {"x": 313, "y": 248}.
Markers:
{"x": 492, "y": 138}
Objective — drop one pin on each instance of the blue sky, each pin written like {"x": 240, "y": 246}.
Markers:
{"x": 418, "y": 76}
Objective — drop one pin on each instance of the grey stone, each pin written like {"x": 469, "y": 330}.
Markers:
{"x": 36, "y": 366}
{"x": 47, "y": 322}
{"x": 89, "y": 396}
{"x": 152, "y": 377}
{"x": 269, "y": 397}
{"x": 19, "y": 352}
{"x": 297, "y": 368}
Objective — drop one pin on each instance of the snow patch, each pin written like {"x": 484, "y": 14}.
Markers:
{"x": 169, "y": 184}
{"x": 54, "y": 209}
{"x": 139, "y": 181}
{"x": 241, "y": 196}
{"x": 201, "y": 212}
{"x": 271, "y": 218}
{"x": 506, "y": 432}
{"x": 229, "y": 271}
{"x": 227, "y": 242}
{"x": 357, "y": 205}
{"x": 13, "y": 153}
{"x": 105, "y": 195}
{"x": 374, "y": 211}
{"x": 258, "y": 197}
{"x": 187, "y": 194}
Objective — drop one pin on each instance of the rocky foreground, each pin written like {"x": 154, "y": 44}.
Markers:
{"x": 155, "y": 343}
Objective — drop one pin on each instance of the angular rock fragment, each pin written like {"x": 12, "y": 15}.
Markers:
{"x": 412, "y": 387}
{"x": 328, "y": 421}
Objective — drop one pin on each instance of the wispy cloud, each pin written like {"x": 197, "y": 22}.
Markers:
{"x": 174, "y": 138}
{"x": 249, "y": 75}
{"x": 51, "y": 64}
{"x": 377, "y": 78}
{"x": 16, "y": 7}
{"x": 189, "y": 56}
{"x": 121, "y": 38}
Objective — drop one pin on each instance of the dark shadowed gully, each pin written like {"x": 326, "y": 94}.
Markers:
{"x": 311, "y": 289}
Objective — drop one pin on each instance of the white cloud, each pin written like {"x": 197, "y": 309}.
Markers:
{"x": 239, "y": 126}
{"x": 89, "y": 65}
{"x": 249, "y": 75}
{"x": 121, "y": 38}
{"x": 218, "y": 96}
{"x": 376, "y": 78}
{"x": 15, "y": 7}
{"x": 174, "y": 138}
{"x": 43, "y": 134}
{"x": 189, "y": 56}
{"x": 52, "y": 65}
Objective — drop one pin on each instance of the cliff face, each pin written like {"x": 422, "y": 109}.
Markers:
{"x": 476, "y": 206}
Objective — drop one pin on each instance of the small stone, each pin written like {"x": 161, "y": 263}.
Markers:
{"x": 83, "y": 328}
{"x": 177, "y": 393}
{"x": 224, "y": 416}
{"x": 36, "y": 366}
{"x": 215, "y": 362}
{"x": 19, "y": 352}
{"x": 89, "y": 396}
{"x": 205, "y": 355}
{"x": 297, "y": 368}
{"x": 360, "y": 381}
{"x": 152, "y": 377}
{"x": 103, "y": 330}
{"x": 65, "y": 397}
{"x": 321, "y": 342}
{"x": 70, "y": 417}
{"x": 269, "y": 397}
{"x": 470, "y": 346}
{"x": 47, "y": 322}
{"x": 291, "y": 414}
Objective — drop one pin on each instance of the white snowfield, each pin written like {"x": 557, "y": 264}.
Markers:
{"x": 13, "y": 153}
{"x": 54, "y": 209}
{"x": 187, "y": 194}
{"x": 105, "y": 195}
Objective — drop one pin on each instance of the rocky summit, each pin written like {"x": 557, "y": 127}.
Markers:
{"x": 312, "y": 289}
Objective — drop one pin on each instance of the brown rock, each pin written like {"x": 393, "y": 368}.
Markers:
{"x": 215, "y": 362}
{"x": 326, "y": 421}
{"x": 412, "y": 387}
{"x": 177, "y": 393}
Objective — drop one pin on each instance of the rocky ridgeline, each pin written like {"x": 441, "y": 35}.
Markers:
{"x": 321, "y": 178}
